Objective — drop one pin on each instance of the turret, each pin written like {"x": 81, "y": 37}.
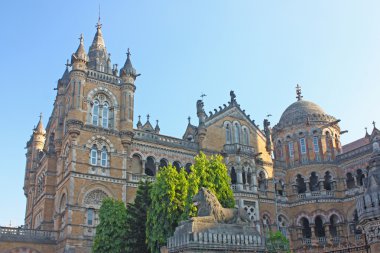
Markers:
{"x": 99, "y": 59}
{"x": 79, "y": 59}
{"x": 128, "y": 76}
{"x": 39, "y": 136}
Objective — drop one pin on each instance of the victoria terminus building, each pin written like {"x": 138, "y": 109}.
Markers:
{"x": 295, "y": 177}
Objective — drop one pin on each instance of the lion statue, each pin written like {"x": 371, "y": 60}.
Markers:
{"x": 210, "y": 210}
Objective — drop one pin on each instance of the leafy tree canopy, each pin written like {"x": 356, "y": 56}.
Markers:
{"x": 136, "y": 220}
{"x": 110, "y": 233}
{"x": 168, "y": 196}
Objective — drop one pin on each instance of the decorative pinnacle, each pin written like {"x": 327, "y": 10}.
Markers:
{"x": 189, "y": 119}
{"x": 81, "y": 38}
{"x": 98, "y": 25}
{"x": 147, "y": 117}
{"x": 299, "y": 92}
{"x": 203, "y": 95}
{"x": 139, "y": 117}
{"x": 40, "y": 116}
{"x": 67, "y": 63}
{"x": 374, "y": 124}
{"x": 128, "y": 53}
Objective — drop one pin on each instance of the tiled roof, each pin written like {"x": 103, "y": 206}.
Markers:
{"x": 355, "y": 144}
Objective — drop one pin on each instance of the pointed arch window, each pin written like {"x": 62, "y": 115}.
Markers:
{"x": 105, "y": 115}
{"x": 237, "y": 133}
{"x": 303, "y": 145}
{"x": 95, "y": 113}
{"x": 245, "y": 136}
{"x": 228, "y": 134}
{"x": 316, "y": 144}
{"x": 104, "y": 157}
{"x": 94, "y": 155}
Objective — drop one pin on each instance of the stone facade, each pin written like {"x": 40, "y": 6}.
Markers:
{"x": 295, "y": 177}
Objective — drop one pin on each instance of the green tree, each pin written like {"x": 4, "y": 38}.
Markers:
{"x": 110, "y": 233}
{"x": 277, "y": 242}
{"x": 168, "y": 196}
{"x": 136, "y": 220}
{"x": 210, "y": 173}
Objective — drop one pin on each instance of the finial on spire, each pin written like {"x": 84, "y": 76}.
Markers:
{"x": 67, "y": 63}
{"x": 98, "y": 25}
{"x": 128, "y": 53}
{"x": 40, "y": 116}
{"x": 299, "y": 92}
{"x": 81, "y": 39}
{"x": 374, "y": 124}
{"x": 189, "y": 119}
{"x": 147, "y": 117}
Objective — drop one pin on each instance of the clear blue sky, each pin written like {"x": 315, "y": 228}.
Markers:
{"x": 260, "y": 49}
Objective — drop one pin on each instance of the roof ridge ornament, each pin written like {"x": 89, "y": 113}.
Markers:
{"x": 233, "y": 97}
{"x": 299, "y": 92}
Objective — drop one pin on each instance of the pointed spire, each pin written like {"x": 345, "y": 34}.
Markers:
{"x": 139, "y": 124}
{"x": 66, "y": 76}
{"x": 98, "y": 56}
{"x": 374, "y": 125}
{"x": 80, "y": 54}
{"x": 157, "y": 128}
{"x": 298, "y": 92}
{"x": 40, "y": 127}
{"x": 128, "y": 69}
{"x": 366, "y": 133}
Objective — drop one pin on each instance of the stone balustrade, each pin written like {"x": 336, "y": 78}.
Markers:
{"x": 162, "y": 139}
{"x": 237, "y": 148}
{"x": 30, "y": 235}
{"x": 213, "y": 241}
{"x": 315, "y": 194}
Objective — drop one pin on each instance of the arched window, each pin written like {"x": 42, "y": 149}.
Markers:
{"x": 303, "y": 145}
{"x": 163, "y": 163}
{"x": 233, "y": 176}
{"x": 280, "y": 187}
{"x": 90, "y": 216}
{"x": 359, "y": 177}
{"x": 319, "y": 229}
{"x": 314, "y": 183}
{"x": 150, "y": 166}
{"x": 333, "y": 225}
{"x": 95, "y": 113}
{"x": 350, "y": 181}
{"x": 94, "y": 155}
{"x": 354, "y": 224}
{"x": 188, "y": 167}
{"x": 327, "y": 184}
{"x": 244, "y": 177}
{"x": 291, "y": 149}
{"x": 237, "y": 133}
{"x": 306, "y": 230}
{"x": 245, "y": 136}
{"x": 279, "y": 150}
{"x": 104, "y": 157}
{"x": 177, "y": 165}
{"x": 301, "y": 185}
{"x": 266, "y": 223}
{"x": 105, "y": 115}
{"x": 136, "y": 164}
{"x": 228, "y": 134}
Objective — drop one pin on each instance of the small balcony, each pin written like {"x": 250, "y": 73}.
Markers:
{"x": 27, "y": 235}
{"x": 237, "y": 148}
{"x": 139, "y": 177}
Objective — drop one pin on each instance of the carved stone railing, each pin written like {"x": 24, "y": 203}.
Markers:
{"x": 306, "y": 241}
{"x": 29, "y": 235}
{"x": 237, "y": 148}
{"x": 138, "y": 177}
{"x": 212, "y": 241}
{"x": 103, "y": 77}
{"x": 165, "y": 140}
{"x": 315, "y": 194}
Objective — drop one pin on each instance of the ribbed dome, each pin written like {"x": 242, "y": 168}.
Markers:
{"x": 299, "y": 111}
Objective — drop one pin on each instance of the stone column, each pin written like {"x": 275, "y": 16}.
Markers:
{"x": 254, "y": 181}
{"x": 239, "y": 174}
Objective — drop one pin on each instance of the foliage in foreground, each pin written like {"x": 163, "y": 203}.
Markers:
{"x": 168, "y": 196}
{"x": 212, "y": 174}
{"x": 111, "y": 232}
{"x": 136, "y": 220}
{"x": 277, "y": 242}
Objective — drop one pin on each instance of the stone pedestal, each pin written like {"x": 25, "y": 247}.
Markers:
{"x": 209, "y": 236}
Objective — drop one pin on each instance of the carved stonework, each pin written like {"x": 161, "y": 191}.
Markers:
{"x": 95, "y": 198}
{"x": 372, "y": 231}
